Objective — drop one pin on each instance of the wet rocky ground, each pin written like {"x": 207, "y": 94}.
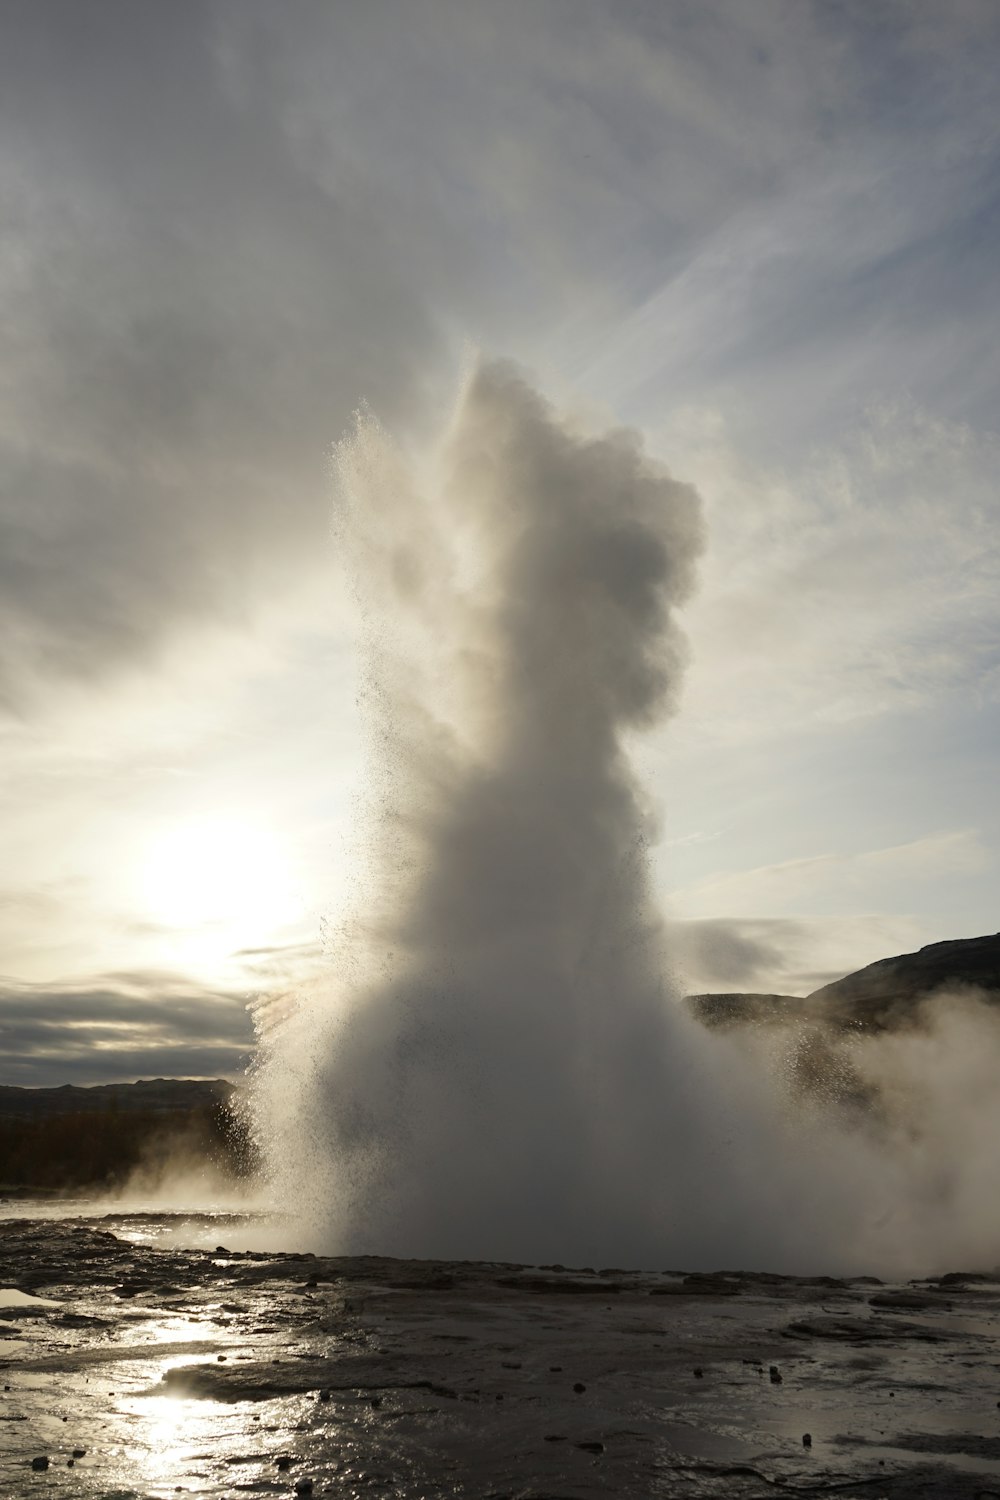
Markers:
{"x": 137, "y": 1368}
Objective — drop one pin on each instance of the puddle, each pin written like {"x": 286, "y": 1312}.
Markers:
{"x": 13, "y": 1302}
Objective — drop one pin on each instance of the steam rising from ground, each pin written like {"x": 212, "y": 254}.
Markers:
{"x": 497, "y": 1065}
{"x": 931, "y": 1124}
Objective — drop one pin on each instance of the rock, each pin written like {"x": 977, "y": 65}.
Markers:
{"x": 908, "y": 1301}
{"x": 40, "y": 1463}
{"x": 579, "y": 1387}
{"x": 708, "y": 1284}
{"x": 561, "y": 1286}
{"x": 775, "y": 1375}
{"x": 861, "y": 1330}
{"x": 590, "y": 1447}
{"x": 826, "y": 1326}
{"x": 807, "y": 1441}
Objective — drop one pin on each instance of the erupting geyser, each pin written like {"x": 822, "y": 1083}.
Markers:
{"x": 496, "y": 1065}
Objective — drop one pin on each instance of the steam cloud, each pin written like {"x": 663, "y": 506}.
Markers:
{"x": 496, "y": 1066}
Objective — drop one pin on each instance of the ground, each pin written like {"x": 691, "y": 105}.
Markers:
{"x": 163, "y": 1370}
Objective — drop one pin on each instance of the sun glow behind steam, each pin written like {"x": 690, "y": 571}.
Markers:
{"x": 217, "y": 883}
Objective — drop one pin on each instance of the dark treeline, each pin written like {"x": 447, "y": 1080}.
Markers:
{"x": 103, "y": 1150}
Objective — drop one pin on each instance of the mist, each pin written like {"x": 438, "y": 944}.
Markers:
{"x": 496, "y": 1064}
{"x": 182, "y": 1168}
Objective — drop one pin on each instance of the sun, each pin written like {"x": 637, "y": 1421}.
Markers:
{"x": 225, "y": 875}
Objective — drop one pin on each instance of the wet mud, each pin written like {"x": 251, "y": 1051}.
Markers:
{"x": 137, "y": 1366}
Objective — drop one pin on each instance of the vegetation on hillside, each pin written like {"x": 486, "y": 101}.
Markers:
{"x": 110, "y": 1149}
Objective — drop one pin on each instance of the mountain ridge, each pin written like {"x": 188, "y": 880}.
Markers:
{"x": 881, "y": 996}
{"x": 161, "y": 1095}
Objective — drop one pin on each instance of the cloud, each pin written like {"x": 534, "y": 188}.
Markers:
{"x": 192, "y": 317}
{"x": 785, "y": 955}
{"x": 725, "y": 954}
{"x": 120, "y": 1026}
{"x": 223, "y": 231}
{"x": 828, "y": 881}
{"x": 836, "y": 279}
{"x": 860, "y": 584}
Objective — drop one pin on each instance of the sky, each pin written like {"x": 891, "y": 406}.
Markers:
{"x": 763, "y": 235}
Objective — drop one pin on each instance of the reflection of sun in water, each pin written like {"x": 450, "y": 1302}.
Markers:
{"x": 170, "y": 1428}
{"x": 168, "y": 1437}
{"x": 168, "y": 1423}
{"x": 218, "y": 883}
{"x": 175, "y": 1437}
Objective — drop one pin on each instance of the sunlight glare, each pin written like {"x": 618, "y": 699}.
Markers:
{"x": 227, "y": 878}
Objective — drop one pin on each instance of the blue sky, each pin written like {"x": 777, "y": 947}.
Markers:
{"x": 764, "y": 235}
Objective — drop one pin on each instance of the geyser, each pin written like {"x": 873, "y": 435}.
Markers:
{"x": 496, "y": 1065}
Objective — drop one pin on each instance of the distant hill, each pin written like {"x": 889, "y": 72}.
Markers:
{"x": 884, "y": 996}
{"x": 160, "y": 1095}
{"x": 107, "y": 1137}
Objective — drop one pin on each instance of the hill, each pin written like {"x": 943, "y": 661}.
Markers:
{"x": 883, "y": 996}
{"x": 103, "y": 1138}
{"x": 161, "y": 1095}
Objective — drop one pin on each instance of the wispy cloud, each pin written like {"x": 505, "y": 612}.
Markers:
{"x": 843, "y": 881}
{"x": 224, "y": 233}
{"x": 864, "y": 582}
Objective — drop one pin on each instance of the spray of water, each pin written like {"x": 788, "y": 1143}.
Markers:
{"x": 496, "y": 1066}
